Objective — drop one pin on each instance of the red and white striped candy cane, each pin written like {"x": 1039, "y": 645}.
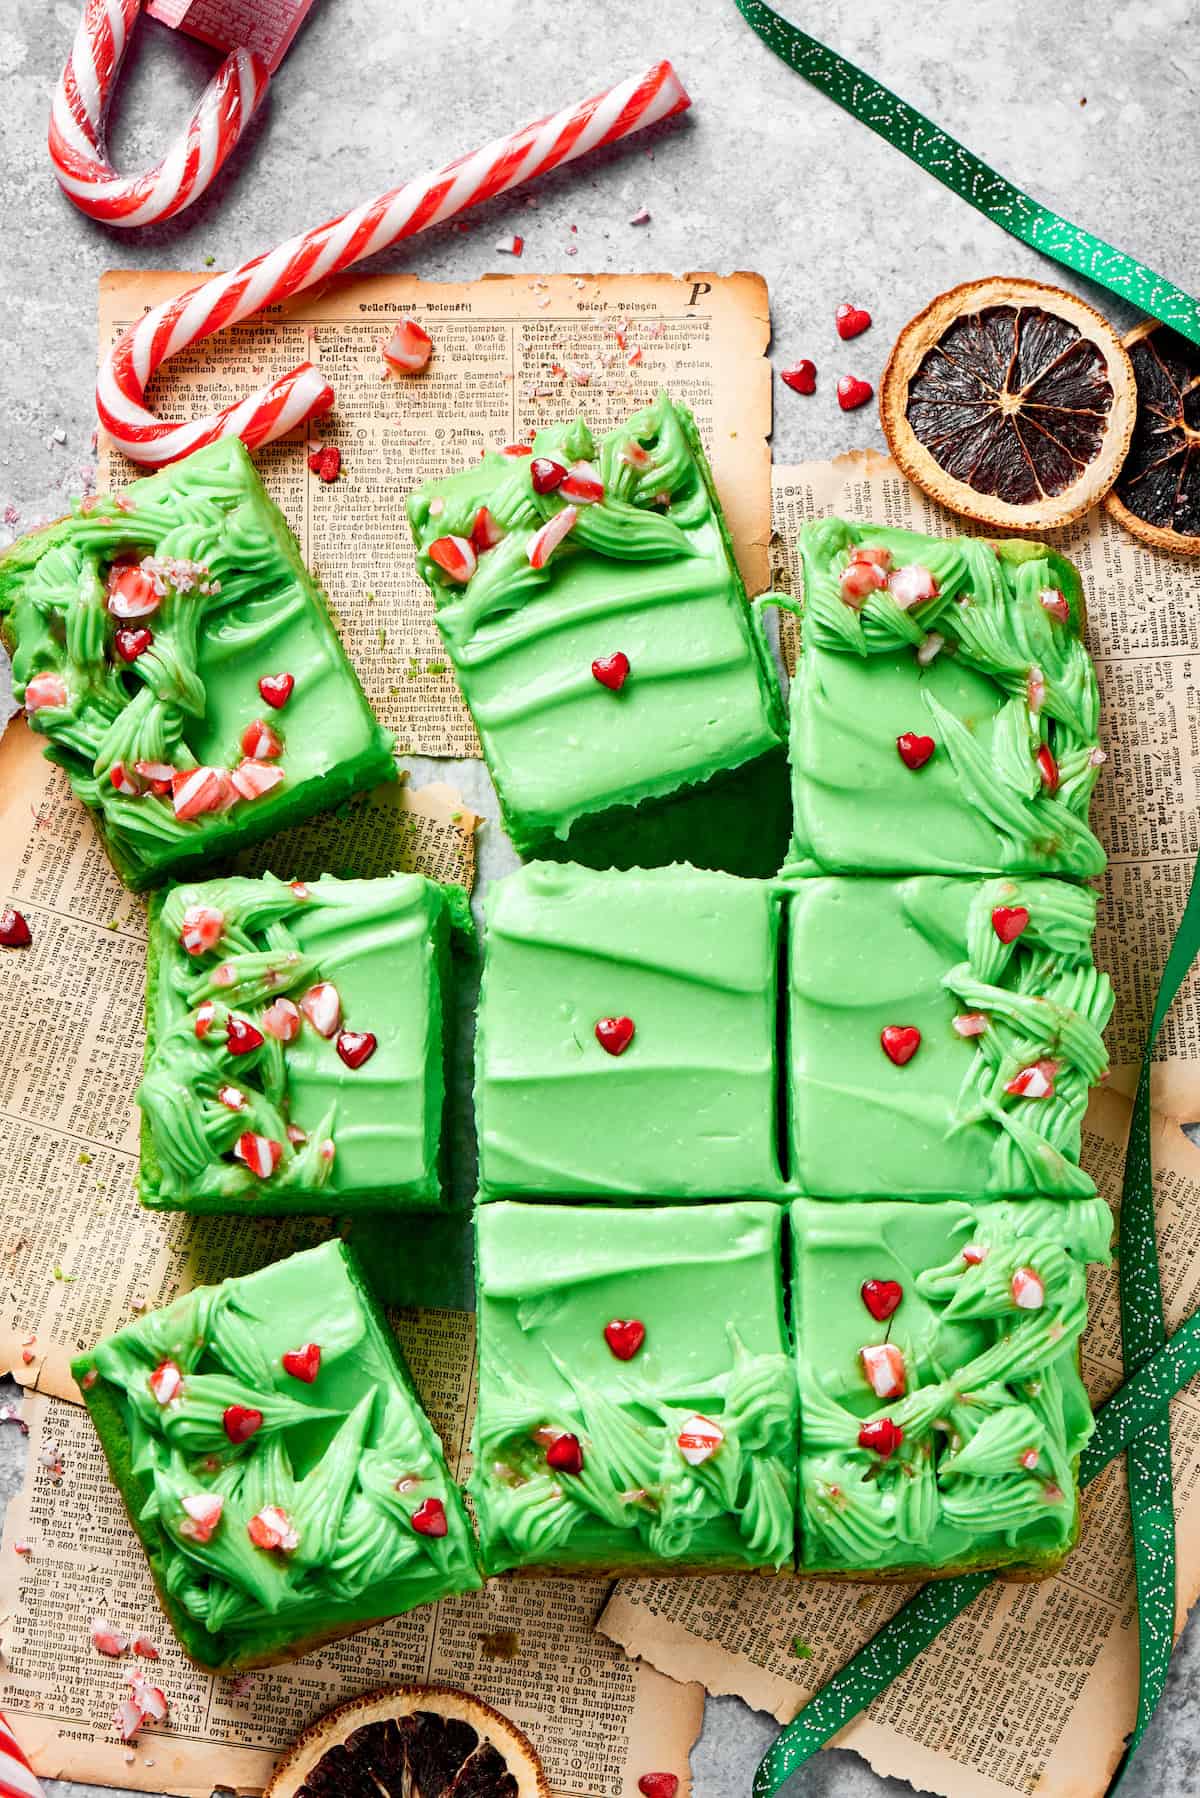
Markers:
{"x": 317, "y": 254}
{"x": 77, "y": 125}
{"x": 17, "y": 1777}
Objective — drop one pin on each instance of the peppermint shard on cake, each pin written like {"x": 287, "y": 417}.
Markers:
{"x": 588, "y": 596}
{"x": 171, "y": 645}
{"x": 941, "y": 1409}
{"x": 276, "y": 1462}
{"x": 944, "y": 714}
{"x": 295, "y": 1044}
{"x": 636, "y": 1399}
{"x": 943, "y": 1035}
{"x": 626, "y": 1036}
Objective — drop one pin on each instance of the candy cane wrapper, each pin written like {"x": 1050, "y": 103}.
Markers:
{"x": 237, "y": 24}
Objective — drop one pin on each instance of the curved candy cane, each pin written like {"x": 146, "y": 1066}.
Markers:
{"x": 317, "y": 254}
{"x": 17, "y": 1778}
{"x": 77, "y": 125}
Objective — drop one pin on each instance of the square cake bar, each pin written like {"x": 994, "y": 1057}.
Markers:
{"x": 276, "y": 1463}
{"x": 944, "y": 713}
{"x": 591, "y": 604}
{"x": 636, "y": 1400}
{"x": 295, "y": 1042}
{"x": 941, "y": 1407}
{"x": 171, "y": 645}
{"x": 626, "y": 1036}
{"x": 943, "y": 1035}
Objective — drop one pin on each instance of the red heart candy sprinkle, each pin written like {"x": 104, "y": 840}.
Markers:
{"x": 276, "y": 689}
{"x": 1048, "y": 769}
{"x": 14, "y": 931}
{"x": 565, "y": 1455}
{"x": 802, "y": 378}
{"x": 242, "y": 1037}
{"x": 132, "y": 641}
{"x": 455, "y": 556}
{"x": 612, "y": 671}
{"x": 625, "y": 1336}
{"x": 326, "y": 462}
{"x": 429, "y": 1519}
{"x": 546, "y": 474}
{"x": 883, "y": 1365}
{"x": 882, "y": 1437}
{"x": 852, "y": 393}
{"x": 900, "y": 1042}
{"x": 1008, "y": 921}
{"x": 881, "y": 1297}
{"x": 614, "y": 1035}
{"x": 303, "y": 1363}
{"x": 914, "y": 751}
{"x": 356, "y": 1046}
{"x": 658, "y": 1785}
{"x": 851, "y": 321}
{"x": 240, "y": 1422}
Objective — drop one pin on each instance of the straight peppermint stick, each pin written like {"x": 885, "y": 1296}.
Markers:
{"x": 315, "y": 255}
{"x": 957, "y": 168}
{"x": 1135, "y": 1418}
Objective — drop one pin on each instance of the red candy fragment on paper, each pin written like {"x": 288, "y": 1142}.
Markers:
{"x": 881, "y": 1297}
{"x": 14, "y": 929}
{"x": 658, "y": 1785}
{"x": 326, "y": 462}
{"x": 900, "y": 1042}
{"x": 614, "y": 1034}
{"x": 107, "y": 1640}
{"x": 429, "y": 1518}
{"x": 303, "y": 1363}
{"x": 625, "y": 1336}
{"x": 408, "y": 349}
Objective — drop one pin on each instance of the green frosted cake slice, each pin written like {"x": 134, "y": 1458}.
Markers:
{"x": 591, "y": 604}
{"x": 626, "y": 1036}
{"x": 636, "y": 1400}
{"x": 943, "y": 1035}
{"x": 944, "y": 713}
{"x": 295, "y": 1044}
{"x": 276, "y": 1463}
{"x": 171, "y": 645}
{"x": 941, "y": 1409}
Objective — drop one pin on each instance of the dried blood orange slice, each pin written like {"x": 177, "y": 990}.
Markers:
{"x": 1010, "y": 402}
{"x": 410, "y": 1742}
{"x": 1157, "y": 495}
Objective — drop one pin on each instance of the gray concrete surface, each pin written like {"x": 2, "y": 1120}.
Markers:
{"x": 1089, "y": 103}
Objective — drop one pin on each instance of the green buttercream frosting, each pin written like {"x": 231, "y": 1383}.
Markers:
{"x": 647, "y": 572}
{"x": 236, "y": 603}
{"x": 1002, "y": 675}
{"x": 994, "y": 1413}
{"x": 866, "y": 955}
{"x": 704, "y": 1284}
{"x": 371, "y": 1133}
{"x": 687, "y": 1109}
{"x": 348, "y": 1459}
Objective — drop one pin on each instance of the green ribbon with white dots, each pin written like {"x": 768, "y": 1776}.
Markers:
{"x": 951, "y": 163}
{"x": 1134, "y": 1421}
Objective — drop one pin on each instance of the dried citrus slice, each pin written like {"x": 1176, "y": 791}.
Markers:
{"x": 1010, "y": 402}
{"x": 1157, "y": 494}
{"x": 410, "y": 1742}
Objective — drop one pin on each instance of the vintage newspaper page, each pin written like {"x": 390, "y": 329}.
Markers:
{"x": 510, "y": 352}
{"x": 1033, "y": 1687}
{"x": 528, "y": 1646}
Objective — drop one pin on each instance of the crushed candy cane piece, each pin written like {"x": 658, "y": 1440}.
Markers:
{"x": 1048, "y": 768}
{"x": 975, "y": 1254}
{"x": 883, "y": 1365}
{"x": 1056, "y": 604}
{"x": 145, "y": 1647}
{"x": 281, "y": 1020}
{"x": 131, "y": 593}
{"x": 1035, "y": 689}
{"x": 699, "y": 1439}
{"x": 543, "y": 543}
{"x": 858, "y": 580}
{"x": 260, "y": 742}
{"x": 273, "y": 1528}
{"x": 510, "y": 246}
{"x": 232, "y": 1097}
{"x": 326, "y": 462}
{"x": 455, "y": 556}
{"x": 322, "y": 1006}
{"x": 259, "y": 1153}
{"x": 128, "y": 1718}
{"x": 44, "y": 691}
{"x": 199, "y": 790}
{"x": 911, "y": 585}
{"x": 970, "y": 1023}
{"x": 641, "y": 217}
{"x": 1028, "y": 1292}
{"x": 166, "y": 1381}
{"x": 252, "y": 779}
{"x": 932, "y": 646}
{"x": 241, "y": 1036}
{"x": 1029, "y": 1459}
{"x": 1034, "y": 1082}
{"x": 203, "y": 926}
{"x": 583, "y": 484}
{"x": 203, "y": 1514}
